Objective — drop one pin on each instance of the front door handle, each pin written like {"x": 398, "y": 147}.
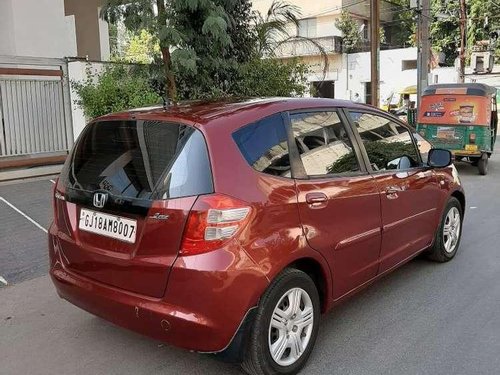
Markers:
{"x": 392, "y": 192}
{"x": 316, "y": 200}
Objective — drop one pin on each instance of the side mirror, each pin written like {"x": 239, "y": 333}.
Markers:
{"x": 439, "y": 158}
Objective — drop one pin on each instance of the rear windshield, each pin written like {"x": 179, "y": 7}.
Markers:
{"x": 140, "y": 159}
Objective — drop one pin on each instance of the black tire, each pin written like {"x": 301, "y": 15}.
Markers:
{"x": 438, "y": 252}
{"x": 258, "y": 359}
{"x": 482, "y": 165}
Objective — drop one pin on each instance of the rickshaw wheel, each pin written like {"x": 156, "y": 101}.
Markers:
{"x": 482, "y": 165}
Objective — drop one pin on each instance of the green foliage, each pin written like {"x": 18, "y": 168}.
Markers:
{"x": 217, "y": 41}
{"x": 403, "y": 27}
{"x": 483, "y": 15}
{"x": 117, "y": 88}
{"x": 350, "y": 31}
{"x": 210, "y": 48}
{"x": 141, "y": 48}
{"x": 270, "y": 77}
{"x": 445, "y": 31}
{"x": 204, "y": 33}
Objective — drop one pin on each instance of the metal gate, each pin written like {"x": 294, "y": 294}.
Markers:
{"x": 35, "y": 107}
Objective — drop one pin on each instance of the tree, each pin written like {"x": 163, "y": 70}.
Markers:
{"x": 483, "y": 19}
{"x": 212, "y": 48}
{"x": 271, "y": 77}
{"x": 403, "y": 27}
{"x": 141, "y": 48}
{"x": 273, "y": 28}
{"x": 350, "y": 31}
{"x": 209, "y": 67}
{"x": 445, "y": 28}
{"x": 118, "y": 87}
{"x": 445, "y": 33}
{"x": 163, "y": 20}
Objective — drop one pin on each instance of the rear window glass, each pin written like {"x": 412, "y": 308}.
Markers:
{"x": 264, "y": 146}
{"x": 140, "y": 159}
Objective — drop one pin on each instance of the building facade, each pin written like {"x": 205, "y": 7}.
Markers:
{"x": 328, "y": 76}
{"x": 53, "y": 29}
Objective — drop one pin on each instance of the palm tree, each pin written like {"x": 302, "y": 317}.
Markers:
{"x": 274, "y": 29}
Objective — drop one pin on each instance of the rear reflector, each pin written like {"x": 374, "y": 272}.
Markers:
{"x": 472, "y": 138}
{"x": 213, "y": 220}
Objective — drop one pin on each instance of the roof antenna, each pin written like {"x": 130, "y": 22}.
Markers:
{"x": 166, "y": 102}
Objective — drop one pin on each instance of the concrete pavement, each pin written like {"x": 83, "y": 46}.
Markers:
{"x": 425, "y": 318}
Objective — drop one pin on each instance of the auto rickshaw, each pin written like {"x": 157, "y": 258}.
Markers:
{"x": 462, "y": 118}
{"x": 396, "y": 100}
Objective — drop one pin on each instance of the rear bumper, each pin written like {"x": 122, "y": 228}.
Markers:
{"x": 152, "y": 318}
{"x": 195, "y": 313}
{"x": 466, "y": 153}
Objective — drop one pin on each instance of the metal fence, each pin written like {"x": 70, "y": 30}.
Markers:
{"x": 35, "y": 112}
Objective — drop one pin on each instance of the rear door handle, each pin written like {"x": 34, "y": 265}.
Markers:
{"x": 316, "y": 200}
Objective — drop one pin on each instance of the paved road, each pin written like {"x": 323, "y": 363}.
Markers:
{"x": 23, "y": 252}
{"x": 424, "y": 318}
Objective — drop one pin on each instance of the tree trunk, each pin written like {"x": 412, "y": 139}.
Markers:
{"x": 169, "y": 75}
{"x": 165, "y": 52}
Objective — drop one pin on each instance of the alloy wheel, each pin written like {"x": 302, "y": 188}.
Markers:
{"x": 291, "y": 327}
{"x": 451, "y": 230}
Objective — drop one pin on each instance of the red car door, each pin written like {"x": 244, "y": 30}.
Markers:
{"x": 409, "y": 192}
{"x": 339, "y": 203}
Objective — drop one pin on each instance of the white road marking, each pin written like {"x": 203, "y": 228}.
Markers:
{"x": 22, "y": 214}
{"x": 473, "y": 207}
{"x": 3, "y": 281}
{"x": 52, "y": 181}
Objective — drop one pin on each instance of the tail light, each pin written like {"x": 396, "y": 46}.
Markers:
{"x": 213, "y": 221}
{"x": 59, "y": 199}
{"x": 472, "y": 138}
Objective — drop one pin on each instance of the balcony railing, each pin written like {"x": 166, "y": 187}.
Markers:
{"x": 302, "y": 47}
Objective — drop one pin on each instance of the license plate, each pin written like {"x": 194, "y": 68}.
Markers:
{"x": 117, "y": 227}
{"x": 470, "y": 147}
{"x": 445, "y": 133}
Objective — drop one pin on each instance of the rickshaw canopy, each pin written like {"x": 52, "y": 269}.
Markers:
{"x": 474, "y": 89}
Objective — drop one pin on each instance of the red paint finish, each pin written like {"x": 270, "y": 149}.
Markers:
{"x": 349, "y": 230}
{"x": 142, "y": 267}
{"x": 346, "y": 230}
{"x": 409, "y": 213}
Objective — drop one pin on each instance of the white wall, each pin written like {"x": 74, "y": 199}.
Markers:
{"x": 36, "y": 28}
{"x": 7, "y": 43}
{"x": 392, "y": 77}
{"x": 77, "y": 71}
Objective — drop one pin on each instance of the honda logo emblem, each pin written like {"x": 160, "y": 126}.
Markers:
{"x": 100, "y": 199}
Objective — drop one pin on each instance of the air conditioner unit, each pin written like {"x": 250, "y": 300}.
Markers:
{"x": 482, "y": 62}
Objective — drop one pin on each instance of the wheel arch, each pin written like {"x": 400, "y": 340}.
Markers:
{"x": 460, "y": 196}
{"x": 317, "y": 272}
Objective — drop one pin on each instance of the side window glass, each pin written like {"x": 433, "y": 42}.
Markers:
{"x": 388, "y": 144}
{"x": 264, "y": 146}
{"x": 323, "y": 144}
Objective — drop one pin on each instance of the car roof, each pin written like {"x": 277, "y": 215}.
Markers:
{"x": 206, "y": 112}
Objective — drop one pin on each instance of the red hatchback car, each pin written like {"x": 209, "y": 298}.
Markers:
{"x": 229, "y": 227}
